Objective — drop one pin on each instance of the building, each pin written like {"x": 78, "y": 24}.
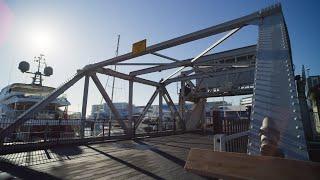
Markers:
{"x": 313, "y": 93}
{"x": 103, "y": 111}
{"x": 231, "y": 112}
{"x": 75, "y": 115}
{"x": 216, "y": 104}
{"x": 312, "y": 81}
{"x": 246, "y": 101}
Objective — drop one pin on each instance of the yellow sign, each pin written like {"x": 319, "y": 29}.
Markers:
{"x": 139, "y": 47}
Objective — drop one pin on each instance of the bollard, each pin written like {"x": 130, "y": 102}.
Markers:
{"x": 269, "y": 137}
{"x": 219, "y": 142}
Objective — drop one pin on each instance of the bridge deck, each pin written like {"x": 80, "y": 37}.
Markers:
{"x": 151, "y": 158}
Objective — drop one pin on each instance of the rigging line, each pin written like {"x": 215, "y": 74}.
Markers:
{"x": 105, "y": 88}
{"x": 10, "y": 72}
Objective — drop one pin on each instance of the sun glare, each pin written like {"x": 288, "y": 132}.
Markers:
{"x": 41, "y": 40}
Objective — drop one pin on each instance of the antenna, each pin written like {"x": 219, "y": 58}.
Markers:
{"x": 37, "y": 79}
{"x": 10, "y": 72}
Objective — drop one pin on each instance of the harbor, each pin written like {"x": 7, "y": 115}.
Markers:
{"x": 242, "y": 112}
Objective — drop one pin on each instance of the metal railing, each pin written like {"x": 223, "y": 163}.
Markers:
{"x": 46, "y": 132}
{"x": 231, "y": 135}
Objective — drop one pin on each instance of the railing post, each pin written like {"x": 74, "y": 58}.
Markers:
{"x": 130, "y": 108}
{"x": 109, "y": 133}
{"x": 219, "y": 142}
{"x": 103, "y": 127}
{"x": 174, "y": 124}
{"x": 135, "y": 129}
{"x": 46, "y": 132}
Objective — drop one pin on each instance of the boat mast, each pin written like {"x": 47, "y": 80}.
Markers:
{"x": 113, "y": 81}
{"x": 37, "y": 79}
{"x": 38, "y": 75}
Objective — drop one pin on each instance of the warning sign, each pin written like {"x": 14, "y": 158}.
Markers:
{"x": 139, "y": 47}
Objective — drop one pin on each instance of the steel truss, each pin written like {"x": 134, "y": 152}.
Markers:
{"x": 90, "y": 71}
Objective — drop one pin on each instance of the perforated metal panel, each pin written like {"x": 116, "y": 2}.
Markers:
{"x": 275, "y": 94}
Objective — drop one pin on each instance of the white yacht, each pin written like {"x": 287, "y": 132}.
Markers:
{"x": 19, "y": 97}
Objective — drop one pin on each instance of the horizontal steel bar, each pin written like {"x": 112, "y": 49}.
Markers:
{"x": 223, "y": 27}
{"x": 141, "y": 64}
{"x": 126, "y": 77}
{"x": 237, "y": 92}
{"x": 201, "y": 75}
{"x": 166, "y": 57}
{"x": 202, "y": 60}
{"x": 205, "y": 51}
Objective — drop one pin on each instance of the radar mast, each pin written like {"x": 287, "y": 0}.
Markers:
{"x": 38, "y": 75}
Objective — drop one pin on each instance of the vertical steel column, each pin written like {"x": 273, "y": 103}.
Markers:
{"x": 130, "y": 108}
{"x": 182, "y": 101}
{"x": 160, "y": 109}
{"x": 84, "y": 105}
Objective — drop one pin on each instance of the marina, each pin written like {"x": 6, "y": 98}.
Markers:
{"x": 244, "y": 112}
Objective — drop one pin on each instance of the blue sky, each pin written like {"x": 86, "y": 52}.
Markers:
{"x": 74, "y": 33}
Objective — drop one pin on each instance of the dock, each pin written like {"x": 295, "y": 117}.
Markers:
{"x": 149, "y": 158}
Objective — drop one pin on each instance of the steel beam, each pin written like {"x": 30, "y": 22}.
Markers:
{"x": 182, "y": 101}
{"x": 172, "y": 107}
{"x": 202, "y": 75}
{"x": 146, "y": 108}
{"x": 160, "y": 68}
{"x": 226, "y": 26}
{"x": 160, "y": 109}
{"x": 202, "y": 61}
{"x": 141, "y": 64}
{"x": 40, "y": 105}
{"x": 232, "y": 92}
{"x": 205, "y": 51}
{"x": 126, "y": 77}
{"x": 165, "y": 57}
{"x": 109, "y": 102}
{"x": 130, "y": 106}
{"x": 84, "y": 104}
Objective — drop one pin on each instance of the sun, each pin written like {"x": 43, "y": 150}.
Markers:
{"x": 41, "y": 39}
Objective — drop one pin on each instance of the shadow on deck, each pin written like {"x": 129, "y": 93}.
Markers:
{"x": 152, "y": 158}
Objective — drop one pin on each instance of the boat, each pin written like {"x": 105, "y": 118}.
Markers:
{"x": 16, "y": 98}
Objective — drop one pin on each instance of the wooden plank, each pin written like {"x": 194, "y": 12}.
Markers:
{"x": 242, "y": 166}
{"x": 153, "y": 158}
